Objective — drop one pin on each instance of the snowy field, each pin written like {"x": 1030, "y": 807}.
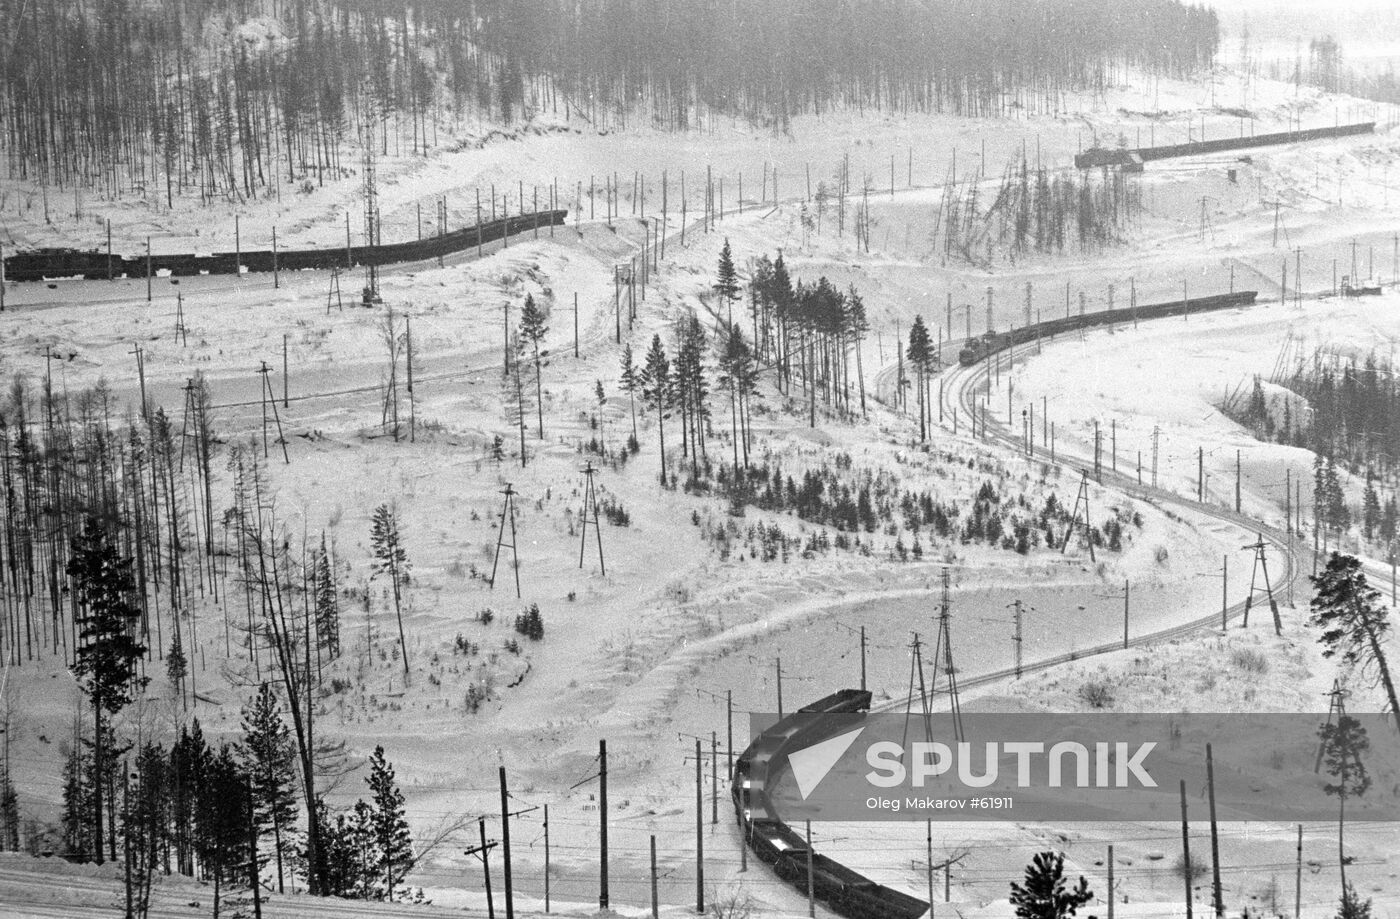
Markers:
{"x": 643, "y": 655}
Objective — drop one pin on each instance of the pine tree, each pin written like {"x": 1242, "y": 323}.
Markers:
{"x": 269, "y": 758}
{"x": 1352, "y": 906}
{"x": 9, "y": 812}
{"x": 859, "y": 325}
{"x": 656, "y": 391}
{"x": 77, "y": 807}
{"x": 1045, "y": 894}
{"x": 602, "y": 399}
{"x": 391, "y": 560}
{"x": 920, "y": 354}
{"x": 189, "y": 766}
{"x": 1344, "y": 742}
{"x": 176, "y": 666}
{"x": 1353, "y": 621}
{"x": 327, "y": 603}
{"x": 735, "y": 366}
{"x": 108, "y": 653}
{"x": 393, "y": 842}
{"x": 148, "y": 820}
{"x": 533, "y": 330}
{"x": 221, "y": 820}
{"x": 1370, "y": 507}
{"x": 727, "y": 281}
{"x": 630, "y": 381}
{"x": 1337, "y": 515}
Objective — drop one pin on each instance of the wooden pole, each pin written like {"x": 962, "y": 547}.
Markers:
{"x": 1214, "y": 837}
{"x": 284, "y": 370}
{"x": 729, "y": 728}
{"x": 546, "y": 858}
{"x": 811, "y": 877}
{"x": 699, "y": 836}
{"x": 603, "y": 824}
{"x": 276, "y": 275}
{"x": 505, "y": 844}
{"x": 1110, "y": 882}
{"x": 655, "y": 913}
{"x": 486, "y": 869}
{"x": 1298, "y": 878}
{"x": 714, "y": 778}
{"x": 928, "y": 827}
{"x": 1125, "y": 614}
{"x": 1186, "y": 871}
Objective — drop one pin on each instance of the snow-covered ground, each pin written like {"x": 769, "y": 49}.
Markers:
{"x": 639, "y": 655}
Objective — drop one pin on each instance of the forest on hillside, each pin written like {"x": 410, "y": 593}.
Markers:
{"x": 232, "y": 98}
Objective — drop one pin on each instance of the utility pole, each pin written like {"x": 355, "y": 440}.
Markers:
{"x": 1125, "y": 614}
{"x": 507, "y": 515}
{"x": 603, "y": 825}
{"x": 505, "y": 845}
{"x": 1017, "y": 636}
{"x": 1186, "y": 850}
{"x": 1214, "y": 837}
{"x": 699, "y": 836}
{"x": 1298, "y": 878}
{"x": 590, "y": 502}
{"x": 811, "y": 877}
{"x": 1156, "y": 437}
{"x": 655, "y": 913}
{"x": 778, "y": 667}
{"x": 1110, "y": 882}
{"x": 1261, "y": 564}
{"x": 480, "y": 851}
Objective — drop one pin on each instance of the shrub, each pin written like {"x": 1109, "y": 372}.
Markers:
{"x": 1250, "y": 661}
{"x": 1196, "y": 868}
{"x": 1096, "y": 694}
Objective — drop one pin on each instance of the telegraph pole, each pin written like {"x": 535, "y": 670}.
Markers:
{"x": 603, "y": 824}
{"x": 505, "y": 844}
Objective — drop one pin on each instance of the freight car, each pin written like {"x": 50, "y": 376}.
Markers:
{"x": 991, "y": 343}
{"x": 846, "y": 891}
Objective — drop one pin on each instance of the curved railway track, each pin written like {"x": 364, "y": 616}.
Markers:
{"x": 960, "y": 384}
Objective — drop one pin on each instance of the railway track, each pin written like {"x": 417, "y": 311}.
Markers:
{"x": 960, "y": 384}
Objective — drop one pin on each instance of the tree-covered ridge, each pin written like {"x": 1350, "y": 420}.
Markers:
{"x": 227, "y": 98}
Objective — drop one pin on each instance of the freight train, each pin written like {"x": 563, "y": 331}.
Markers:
{"x": 992, "y": 342}
{"x": 49, "y": 264}
{"x": 848, "y": 893}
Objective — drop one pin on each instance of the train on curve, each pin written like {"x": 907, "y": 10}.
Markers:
{"x": 847, "y": 892}
{"x": 991, "y": 343}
